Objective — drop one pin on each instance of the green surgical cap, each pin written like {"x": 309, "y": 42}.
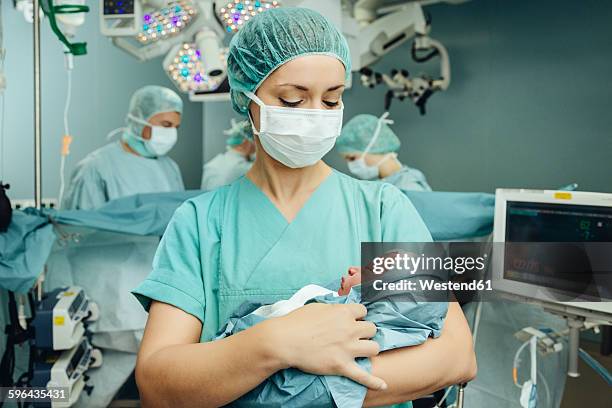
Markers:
{"x": 239, "y": 132}
{"x": 150, "y": 100}
{"x": 358, "y": 132}
{"x": 273, "y": 38}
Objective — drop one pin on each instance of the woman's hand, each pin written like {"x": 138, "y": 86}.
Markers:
{"x": 325, "y": 340}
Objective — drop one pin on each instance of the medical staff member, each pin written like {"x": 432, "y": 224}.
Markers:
{"x": 291, "y": 221}
{"x": 137, "y": 163}
{"x": 370, "y": 148}
{"x": 235, "y": 161}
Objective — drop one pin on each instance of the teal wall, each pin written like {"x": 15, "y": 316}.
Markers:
{"x": 530, "y": 104}
{"x": 103, "y": 81}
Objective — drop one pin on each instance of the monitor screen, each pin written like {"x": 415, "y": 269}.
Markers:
{"x": 546, "y": 222}
{"x": 118, "y": 7}
{"x": 559, "y": 246}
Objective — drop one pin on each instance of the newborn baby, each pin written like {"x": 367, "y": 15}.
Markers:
{"x": 400, "y": 323}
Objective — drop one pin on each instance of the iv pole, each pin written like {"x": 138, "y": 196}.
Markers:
{"x": 37, "y": 109}
{"x": 37, "y": 130}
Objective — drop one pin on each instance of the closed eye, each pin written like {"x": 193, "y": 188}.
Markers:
{"x": 331, "y": 104}
{"x": 290, "y": 104}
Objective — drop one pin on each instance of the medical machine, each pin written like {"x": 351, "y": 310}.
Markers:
{"x": 59, "y": 323}
{"x": 120, "y": 17}
{"x": 67, "y": 370}
{"x": 559, "y": 220}
{"x": 373, "y": 31}
{"x": 556, "y": 253}
{"x": 21, "y": 204}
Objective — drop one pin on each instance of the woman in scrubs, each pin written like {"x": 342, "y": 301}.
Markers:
{"x": 291, "y": 221}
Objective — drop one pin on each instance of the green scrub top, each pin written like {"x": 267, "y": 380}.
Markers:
{"x": 110, "y": 172}
{"x": 232, "y": 245}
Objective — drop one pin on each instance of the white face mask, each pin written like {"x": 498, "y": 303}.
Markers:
{"x": 297, "y": 137}
{"x": 162, "y": 138}
{"x": 358, "y": 167}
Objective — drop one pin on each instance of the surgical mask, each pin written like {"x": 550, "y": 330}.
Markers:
{"x": 297, "y": 137}
{"x": 358, "y": 167}
{"x": 161, "y": 142}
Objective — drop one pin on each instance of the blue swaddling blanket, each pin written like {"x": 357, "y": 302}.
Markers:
{"x": 399, "y": 324}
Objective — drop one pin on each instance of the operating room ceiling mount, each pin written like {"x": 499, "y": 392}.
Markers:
{"x": 192, "y": 35}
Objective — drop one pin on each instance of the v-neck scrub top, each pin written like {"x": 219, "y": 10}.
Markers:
{"x": 232, "y": 244}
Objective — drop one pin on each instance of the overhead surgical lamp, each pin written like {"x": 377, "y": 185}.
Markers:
{"x": 161, "y": 28}
{"x": 237, "y": 12}
{"x": 186, "y": 65}
{"x": 167, "y": 21}
{"x": 189, "y": 33}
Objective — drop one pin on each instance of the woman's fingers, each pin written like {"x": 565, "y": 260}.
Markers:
{"x": 365, "y": 348}
{"x": 365, "y": 329}
{"x": 357, "y": 310}
{"x": 356, "y": 373}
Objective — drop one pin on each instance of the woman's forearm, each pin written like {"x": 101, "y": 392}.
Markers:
{"x": 412, "y": 372}
{"x": 207, "y": 374}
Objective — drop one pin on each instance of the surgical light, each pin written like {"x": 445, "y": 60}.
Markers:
{"x": 210, "y": 46}
{"x": 237, "y": 12}
{"x": 167, "y": 21}
{"x": 185, "y": 65}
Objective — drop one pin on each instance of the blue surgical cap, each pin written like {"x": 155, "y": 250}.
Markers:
{"x": 239, "y": 132}
{"x": 274, "y": 38}
{"x": 358, "y": 132}
{"x": 150, "y": 100}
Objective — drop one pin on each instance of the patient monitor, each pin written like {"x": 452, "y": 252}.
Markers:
{"x": 546, "y": 234}
{"x": 553, "y": 248}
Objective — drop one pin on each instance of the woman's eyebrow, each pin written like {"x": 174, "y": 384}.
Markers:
{"x": 303, "y": 88}
{"x": 334, "y": 88}
{"x": 300, "y": 87}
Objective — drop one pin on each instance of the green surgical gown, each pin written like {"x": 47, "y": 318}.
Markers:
{"x": 232, "y": 244}
{"x": 110, "y": 172}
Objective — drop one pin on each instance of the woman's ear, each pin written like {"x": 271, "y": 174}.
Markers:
{"x": 254, "y": 112}
{"x": 146, "y": 132}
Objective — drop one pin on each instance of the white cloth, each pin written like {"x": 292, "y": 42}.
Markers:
{"x": 223, "y": 169}
{"x": 111, "y": 172}
{"x": 107, "y": 265}
{"x": 299, "y": 299}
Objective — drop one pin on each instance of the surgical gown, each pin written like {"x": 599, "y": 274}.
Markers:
{"x": 232, "y": 245}
{"x": 223, "y": 169}
{"x": 111, "y": 172}
{"x": 408, "y": 178}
